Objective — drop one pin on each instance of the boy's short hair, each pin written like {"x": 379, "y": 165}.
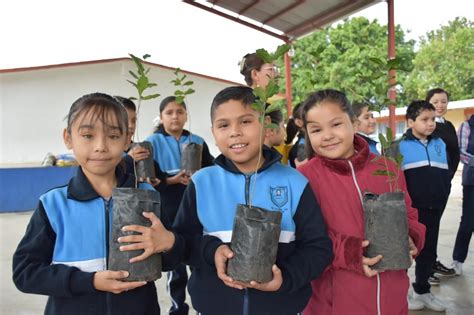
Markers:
{"x": 238, "y": 93}
{"x": 357, "y": 108}
{"x": 416, "y": 107}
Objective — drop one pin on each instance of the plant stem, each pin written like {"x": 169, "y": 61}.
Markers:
{"x": 252, "y": 189}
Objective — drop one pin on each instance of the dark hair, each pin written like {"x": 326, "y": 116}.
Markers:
{"x": 238, "y": 93}
{"x": 100, "y": 105}
{"x": 127, "y": 103}
{"x": 416, "y": 107}
{"x": 248, "y": 63}
{"x": 322, "y": 96}
{"x": 357, "y": 108}
{"x": 168, "y": 100}
{"x": 432, "y": 92}
{"x": 291, "y": 128}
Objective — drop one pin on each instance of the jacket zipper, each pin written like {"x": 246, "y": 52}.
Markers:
{"x": 247, "y": 188}
{"x": 362, "y": 203}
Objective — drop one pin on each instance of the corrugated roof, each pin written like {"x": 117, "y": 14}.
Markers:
{"x": 284, "y": 19}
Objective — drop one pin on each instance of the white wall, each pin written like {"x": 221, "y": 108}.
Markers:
{"x": 33, "y": 105}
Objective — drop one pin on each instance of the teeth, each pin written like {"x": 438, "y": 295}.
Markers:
{"x": 238, "y": 146}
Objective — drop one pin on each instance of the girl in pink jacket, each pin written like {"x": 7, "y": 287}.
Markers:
{"x": 340, "y": 169}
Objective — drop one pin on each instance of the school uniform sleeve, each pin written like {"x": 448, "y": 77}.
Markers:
{"x": 32, "y": 268}
{"x": 347, "y": 252}
{"x": 313, "y": 250}
{"x": 416, "y": 230}
{"x": 161, "y": 176}
{"x": 207, "y": 158}
{"x": 188, "y": 231}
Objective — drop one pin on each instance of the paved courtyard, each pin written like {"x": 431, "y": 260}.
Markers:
{"x": 457, "y": 292}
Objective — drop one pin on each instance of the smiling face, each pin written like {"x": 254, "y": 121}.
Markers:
{"x": 97, "y": 145}
{"x": 423, "y": 125}
{"x": 173, "y": 118}
{"x": 238, "y": 134}
{"x": 330, "y": 131}
{"x": 440, "y": 102}
{"x": 366, "y": 122}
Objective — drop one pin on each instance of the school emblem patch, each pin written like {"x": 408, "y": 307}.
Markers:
{"x": 279, "y": 195}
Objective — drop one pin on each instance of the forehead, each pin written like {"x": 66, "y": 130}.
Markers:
{"x": 325, "y": 111}
{"x": 440, "y": 96}
{"x": 233, "y": 109}
{"x": 173, "y": 106}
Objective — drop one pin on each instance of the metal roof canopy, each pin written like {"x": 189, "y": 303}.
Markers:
{"x": 290, "y": 19}
{"x": 284, "y": 19}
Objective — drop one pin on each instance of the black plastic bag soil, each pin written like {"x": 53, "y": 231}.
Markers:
{"x": 386, "y": 227}
{"x": 146, "y": 167}
{"x": 191, "y": 157}
{"x": 128, "y": 205}
{"x": 255, "y": 244}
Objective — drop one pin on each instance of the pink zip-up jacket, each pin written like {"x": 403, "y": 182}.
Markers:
{"x": 343, "y": 288}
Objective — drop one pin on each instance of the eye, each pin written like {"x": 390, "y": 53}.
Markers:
{"x": 222, "y": 126}
{"x": 315, "y": 130}
{"x": 87, "y": 136}
{"x": 336, "y": 124}
{"x": 114, "y": 137}
{"x": 246, "y": 121}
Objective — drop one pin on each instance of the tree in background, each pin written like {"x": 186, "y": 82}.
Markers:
{"x": 340, "y": 56}
{"x": 445, "y": 59}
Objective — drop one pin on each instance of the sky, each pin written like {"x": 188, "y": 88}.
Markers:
{"x": 175, "y": 34}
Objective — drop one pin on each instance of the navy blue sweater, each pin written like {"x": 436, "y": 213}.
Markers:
{"x": 205, "y": 220}
{"x": 65, "y": 244}
{"x": 426, "y": 171}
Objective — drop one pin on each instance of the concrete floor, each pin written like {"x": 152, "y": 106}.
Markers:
{"x": 457, "y": 292}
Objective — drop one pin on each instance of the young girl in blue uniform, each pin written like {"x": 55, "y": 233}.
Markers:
{"x": 63, "y": 253}
{"x": 167, "y": 141}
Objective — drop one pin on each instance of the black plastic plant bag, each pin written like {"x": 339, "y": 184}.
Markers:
{"x": 146, "y": 167}
{"x": 128, "y": 205}
{"x": 254, "y": 242}
{"x": 301, "y": 152}
{"x": 191, "y": 157}
{"x": 386, "y": 228}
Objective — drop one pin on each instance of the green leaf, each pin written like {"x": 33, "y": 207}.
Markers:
{"x": 132, "y": 83}
{"x": 389, "y": 136}
{"x": 189, "y": 91}
{"x": 280, "y": 51}
{"x": 264, "y": 55}
{"x": 377, "y": 61}
{"x": 178, "y": 93}
{"x": 179, "y": 99}
{"x": 260, "y": 92}
{"x": 188, "y": 83}
{"x": 151, "y": 96}
{"x": 380, "y": 173}
{"x": 272, "y": 108}
{"x": 146, "y": 56}
{"x": 133, "y": 74}
{"x": 383, "y": 141}
{"x": 272, "y": 126}
{"x": 142, "y": 84}
{"x": 151, "y": 85}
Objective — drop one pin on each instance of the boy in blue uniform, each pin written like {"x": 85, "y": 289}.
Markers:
{"x": 203, "y": 225}
{"x": 427, "y": 175}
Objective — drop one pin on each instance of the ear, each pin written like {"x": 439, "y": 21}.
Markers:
{"x": 411, "y": 122}
{"x": 67, "y": 139}
{"x": 254, "y": 76}
{"x": 299, "y": 122}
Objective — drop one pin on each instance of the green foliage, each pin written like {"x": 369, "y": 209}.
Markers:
{"x": 388, "y": 144}
{"x": 183, "y": 85}
{"x": 271, "y": 57}
{"x": 263, "y": 94}
{"x": 142, "y": 82}
{"x": 339, "y": 57}
{"x": 445, "y": 59}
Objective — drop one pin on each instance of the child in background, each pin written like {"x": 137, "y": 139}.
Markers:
{"x": 365, "y": 124}
{"x": 203, "y": 226}
{"x": 339, "y": 170}
{"x": 427, "y": 175}
{"x": 297, "y": 154}
{"x": 139, "y": 153}
{"x": 166, "y": 142}
{"x": 274, "y": 136}
{"x": 446, "y": 131}
{"x": 466, "y": 227}
{"x": 64, "y": 251}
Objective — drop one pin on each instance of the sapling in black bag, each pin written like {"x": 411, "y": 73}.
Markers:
{"x": 128, "y": 206}
{"x": 386, "y": 228}
{"x": 145, "y": 168}
{"x": 254, "y": 242}
{"x": 191, "y": 157}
